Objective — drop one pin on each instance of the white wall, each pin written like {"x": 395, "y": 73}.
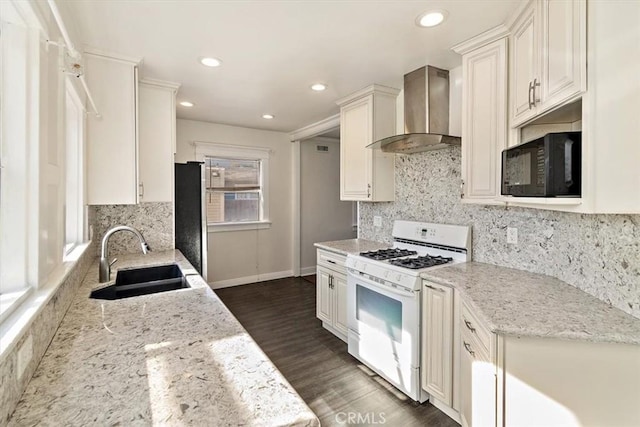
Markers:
{"x": 238, "y": 257}
{"x": 323, "y": 216}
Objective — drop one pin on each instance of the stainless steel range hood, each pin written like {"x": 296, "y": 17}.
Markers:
{"x": 426, "y": 114}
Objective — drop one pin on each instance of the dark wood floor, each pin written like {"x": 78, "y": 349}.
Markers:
{"x": 280, "y": 316}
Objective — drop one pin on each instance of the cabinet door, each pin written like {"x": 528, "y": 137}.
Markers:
{"x": 524, "y": 64}
{"x": 324, "y": 296}
{"x": 356, "y": 132}
{"x": 156, "y": 118}
{"x": 484, "y": 129}
{"x": 563, "y": 58}
{"x": 437, "y": 347}
{"x": 477, "y": 385}
{"x": 340, "y": 296}
{"x": 112, "y": 143}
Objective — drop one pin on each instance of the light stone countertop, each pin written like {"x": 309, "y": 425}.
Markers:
{"x": 351, "y": 246}
{"x": 172, "y": 358}
{"x": 516, "y": 302}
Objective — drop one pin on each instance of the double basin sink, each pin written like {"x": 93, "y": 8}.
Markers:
{"x": 143, "y": 281}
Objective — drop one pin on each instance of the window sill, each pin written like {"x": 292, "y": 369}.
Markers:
{"x": 24, "y": 310}
{"x": 10, "y": 301}
{"x": 237, "y": 226}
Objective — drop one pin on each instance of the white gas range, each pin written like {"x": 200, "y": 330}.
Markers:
{"x": 383, "y": 298}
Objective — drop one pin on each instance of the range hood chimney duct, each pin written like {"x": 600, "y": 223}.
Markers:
{"x": 426, "y": 114}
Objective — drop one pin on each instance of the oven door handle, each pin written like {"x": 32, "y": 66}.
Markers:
{"x": 398, "y": 291}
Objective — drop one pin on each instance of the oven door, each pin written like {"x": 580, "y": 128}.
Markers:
{"x": 384, "y": 326}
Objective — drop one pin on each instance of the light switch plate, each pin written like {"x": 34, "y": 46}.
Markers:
{"x": 512, "y": 235}
{"x": 377, "y": 221}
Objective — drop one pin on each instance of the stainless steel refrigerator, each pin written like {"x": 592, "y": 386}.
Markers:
{"x": 190, "y": 215}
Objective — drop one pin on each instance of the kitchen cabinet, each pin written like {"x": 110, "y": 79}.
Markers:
{"x": 571, "y": 383}
{"x": 548, "y": 57}
{"x": 367, "y": 116}
{"x": 112, "y": 138}
{"x": 478, "y": 374}
{"x": 157, "y": 139}
{"x": 604, "y": 112}
{"x": 484, "y": 114}
{"x": 331, "y": 292}
{"x": 437, "y": 342}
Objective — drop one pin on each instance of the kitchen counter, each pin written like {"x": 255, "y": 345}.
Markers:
{"x": 172, "y": 358}
{"x": 351, "y": 246}
{"x": 516, "y": 302}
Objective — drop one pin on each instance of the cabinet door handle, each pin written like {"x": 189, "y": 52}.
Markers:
{"x": 368, "y": 191}
{"x": 531, "y": 103}
{"x": 434, "y": 288}
{"x": 330, "y": 261}
{"x": 536, "y": 84}
{"x": 467, "y": 347}
{"x": 331, "y": 281}
{"x": 469, "y": 326}
{"x": 141, "y": 185}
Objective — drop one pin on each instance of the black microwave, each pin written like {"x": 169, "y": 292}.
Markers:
{"x": 546, "y": 167}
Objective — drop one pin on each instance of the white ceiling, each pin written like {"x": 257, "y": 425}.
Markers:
{"x": 272, "y": 51}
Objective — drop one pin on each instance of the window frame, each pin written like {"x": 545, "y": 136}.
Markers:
{"x": 239, "y": 152}
{"x": 78, "y": 232}
{"x": 19, "y": 117}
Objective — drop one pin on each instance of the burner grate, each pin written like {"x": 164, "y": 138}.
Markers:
{"x": 417, "y": 263}
{"x": 384, "y": 254}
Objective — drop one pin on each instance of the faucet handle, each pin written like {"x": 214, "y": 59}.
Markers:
{"x": 113, "y": 262}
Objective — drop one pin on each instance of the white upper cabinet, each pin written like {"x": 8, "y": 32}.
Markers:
{"x": 367, "y": 116}
{"x": 524, "y": 65}
{"x": 484, "y": 114}
{"x": 548, "y": 57}
{"x": 112, "y": 138}
{"x": 157, "y": 139}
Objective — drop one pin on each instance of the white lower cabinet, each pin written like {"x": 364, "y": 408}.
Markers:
{"x": 331, "y": 292}
{"x": 506, "y": 380}
{"x": 478, "y": 375}
{"x": 437, "y": 342}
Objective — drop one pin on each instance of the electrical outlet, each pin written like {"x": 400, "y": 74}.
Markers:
{"x": 512, "y": 235}
{"x": 25, "y": 353}
{"x": 377, "y": 221}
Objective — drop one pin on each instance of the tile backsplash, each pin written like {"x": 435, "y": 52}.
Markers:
{"x": 153, "y": 220}
{"x": 599, "y": 254}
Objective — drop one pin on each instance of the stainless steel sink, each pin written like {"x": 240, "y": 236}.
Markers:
{"x": 143, "y": 281}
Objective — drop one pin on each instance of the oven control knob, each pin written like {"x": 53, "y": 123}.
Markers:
{"x": 364, "y": 267}
{"x": 386, "y": 274}
{"x": 398, "y": 276}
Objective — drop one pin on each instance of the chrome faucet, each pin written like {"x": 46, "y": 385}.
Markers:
{"x": 105, "y": 266}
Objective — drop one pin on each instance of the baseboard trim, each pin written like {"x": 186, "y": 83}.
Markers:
{"x": 250, "y": 279}
{"x": 307, "y": 271}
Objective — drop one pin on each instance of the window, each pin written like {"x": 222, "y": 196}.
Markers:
{"x": 18, "y": 148}
{"x": 233, "y": 190}
{"x": 236, "y": 193}
{"x": 74, "y": 167}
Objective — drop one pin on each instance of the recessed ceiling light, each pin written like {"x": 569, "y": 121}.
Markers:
{"x": 268, "y": 116}
{"x": 319, "y": 87}
{"x": 431, "y": 18}
{"x": 186, "y": 104}
{"x": 210, "y": 62}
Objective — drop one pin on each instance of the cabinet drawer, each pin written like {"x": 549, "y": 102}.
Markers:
{"x": 331, "y": 260}
{"x": 471, "y": 327}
